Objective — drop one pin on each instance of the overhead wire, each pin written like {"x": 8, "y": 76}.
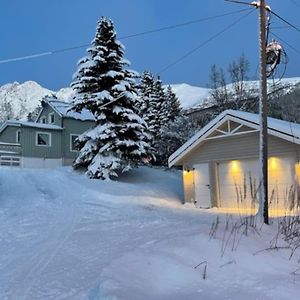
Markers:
{"x": 284, "y": 20}
{"x": 285, "y": 42}
{"x": 52, "y": 52}
{"x": 181, "y": 58}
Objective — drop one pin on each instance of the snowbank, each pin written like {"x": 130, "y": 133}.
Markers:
{"x": 64, "y": 236}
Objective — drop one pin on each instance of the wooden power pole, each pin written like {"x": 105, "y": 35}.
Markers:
{"x": 263, "y": 116}
{"x": 263, "y": 210}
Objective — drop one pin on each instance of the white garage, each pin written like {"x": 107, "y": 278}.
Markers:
{"x": 221, "y": 167}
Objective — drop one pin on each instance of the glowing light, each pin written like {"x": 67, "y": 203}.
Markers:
{"x": 297, "y": 170}
{"x": 186, "y": 170}
{"x": 273, "y": 163}
{"x": 235, "y": 166}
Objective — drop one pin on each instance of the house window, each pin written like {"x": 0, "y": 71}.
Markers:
{"x": 43, "y": 120}
{"x": 18, "y": 136}
{"x": 51, "y": 118}
{"x": 73, "y": 137}
{"x": 43, "y": 139}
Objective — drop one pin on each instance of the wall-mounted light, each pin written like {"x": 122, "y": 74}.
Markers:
{"x": 186, "y": 170}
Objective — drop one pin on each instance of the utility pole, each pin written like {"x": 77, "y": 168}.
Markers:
{"x": 263, "y": 210}
{"x": 263, "y": 116}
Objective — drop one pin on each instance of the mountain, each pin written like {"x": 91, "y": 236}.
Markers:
{"x": 189, "y": 95}
{"x": 18, "y": 99}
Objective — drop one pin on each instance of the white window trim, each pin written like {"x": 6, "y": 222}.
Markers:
{"x": 71, "y": 135}
{"x": 18, "y": 132}
{"x": 43, "y": 118}
{"x": 42, "y": 132}
{"x": 49, "y": 118}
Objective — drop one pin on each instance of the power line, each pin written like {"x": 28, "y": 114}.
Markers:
{"x": 282, "y": 27}
{"x": 284, "y": 20}
{"x": 205, "y": 42}
{"x": 32, "y": 56}
{"x": 285, "y": 42}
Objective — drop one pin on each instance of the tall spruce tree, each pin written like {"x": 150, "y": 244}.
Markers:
{"x": 105, "y": 86}
{"x": 160, "y": 107}
{"x": 172, "y": 104}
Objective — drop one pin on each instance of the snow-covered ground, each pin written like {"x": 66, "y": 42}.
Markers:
{"x": 64, "y": 236}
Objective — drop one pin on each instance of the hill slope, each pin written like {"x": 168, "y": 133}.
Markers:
{"x": 64, "y": 236}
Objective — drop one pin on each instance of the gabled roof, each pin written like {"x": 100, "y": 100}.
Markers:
{"x": 18, "y": 123}
{"x": 63, "y": 110}
{"x": 279, "y": 128}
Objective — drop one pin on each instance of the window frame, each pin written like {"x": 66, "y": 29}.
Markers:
{"x": 18, "y": 136}
{"x": 43, "y": 132}
{"x": 43, "y": 120}
{"x": 71, "y": 135}
{"x": 49, "y": 118}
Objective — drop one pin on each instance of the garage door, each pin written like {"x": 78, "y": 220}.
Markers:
{"x": 239, "y": 182}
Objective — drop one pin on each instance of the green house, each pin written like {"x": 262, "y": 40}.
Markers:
{"x": 48, "y": 142}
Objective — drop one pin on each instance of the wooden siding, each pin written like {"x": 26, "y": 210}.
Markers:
{"x": 236, "y": 147}
{"x": 45, "y": 113}
{"x": 72, "y": 126}
{"x": 30, "y": 149}
{"x": 9, "y": 134}
{"x": 231, "y": 148}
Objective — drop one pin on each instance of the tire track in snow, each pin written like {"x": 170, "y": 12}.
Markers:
{"x": 58, "y": 235}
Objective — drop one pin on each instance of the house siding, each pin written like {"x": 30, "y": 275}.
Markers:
{"x": 9, "y": 134}
{"x": 72, "y": 126}
{"x": 231, "y": 148}
{"x": 235, "y": 147}
{"x": 45, "y": 113}
{"x": 29, "y": 148}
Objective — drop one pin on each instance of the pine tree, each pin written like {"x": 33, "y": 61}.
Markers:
{"x": 146, "y": 96}
{"x": 174, "y": 135}
{"x": 172, "y": 104}
{"x": 159, "y": 107}
{"x": 105, "y": 86}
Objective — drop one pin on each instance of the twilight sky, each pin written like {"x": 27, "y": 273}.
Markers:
{"x": 36, "y": 26}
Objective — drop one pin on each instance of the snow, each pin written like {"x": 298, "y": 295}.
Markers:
{"x": 64, "y": 236}
{"x": 63, "y": 109}
{"x": 189, "y": 95}
{"x": 25, "y": 97}
{"x": 29, "y": 124}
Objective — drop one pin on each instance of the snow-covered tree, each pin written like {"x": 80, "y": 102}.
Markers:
{"x": 172, "y": 104}
{"x": 173, "y": 135}
{"x": 6, "y": 112}
{"x": 159, "y": 107}
{"x": 105, "y": 86}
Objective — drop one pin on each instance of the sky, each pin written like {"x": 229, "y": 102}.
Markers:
{"x": 38, "y": 26}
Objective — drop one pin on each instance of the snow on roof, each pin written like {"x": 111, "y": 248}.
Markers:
{"x": 29, "y": 124}
{"x": 63, "y": 109}
{"x": 282, "y": 129}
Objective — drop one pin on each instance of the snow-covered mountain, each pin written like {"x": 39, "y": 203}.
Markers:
{"x": 23, "y": 98}
{"x": 18, "y": 99}
{"x": 189, "y": 95}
